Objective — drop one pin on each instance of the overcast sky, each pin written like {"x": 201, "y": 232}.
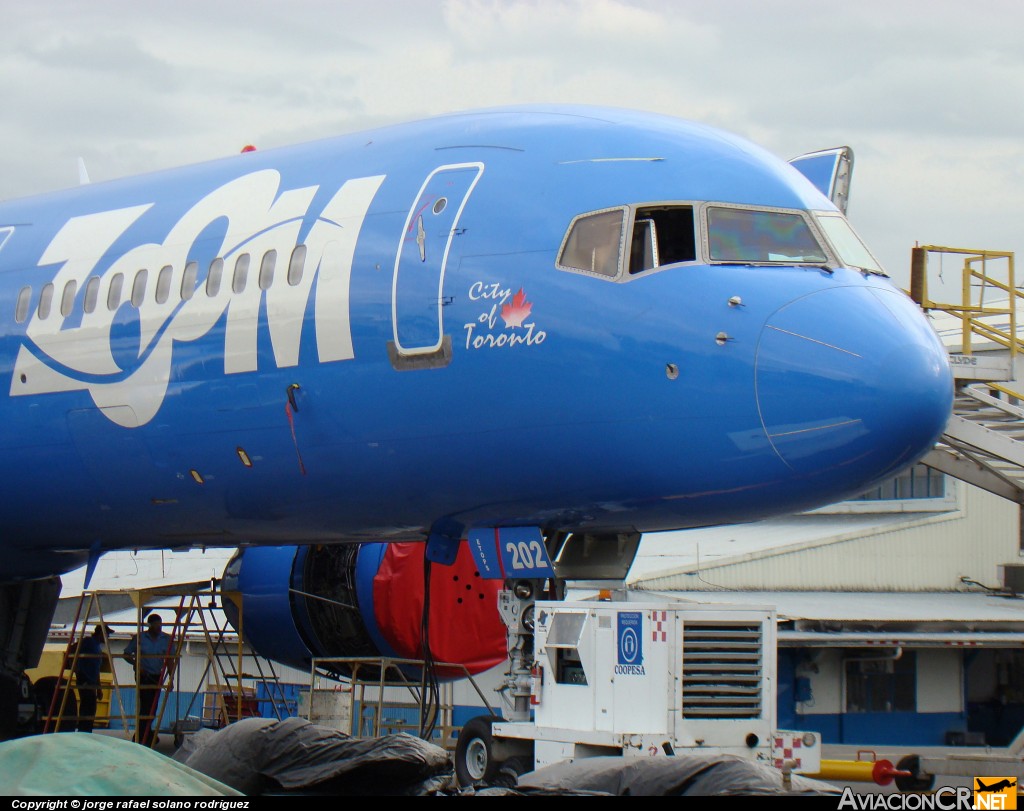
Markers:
{"x": 930, "y": 95}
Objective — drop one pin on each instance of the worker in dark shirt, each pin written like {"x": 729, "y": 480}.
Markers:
{"x": 87, "y": 675}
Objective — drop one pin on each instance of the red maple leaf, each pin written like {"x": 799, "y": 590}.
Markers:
{"x": 517, "y": 311}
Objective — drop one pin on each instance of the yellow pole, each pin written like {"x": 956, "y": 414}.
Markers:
{"x": 1013, "y": 310}
{"x": 919, "y": 276}
{"x": 881, "y": 772}
{"x": 968, "y": 319}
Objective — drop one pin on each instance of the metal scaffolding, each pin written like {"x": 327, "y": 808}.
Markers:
{"x": 229, "y": 691}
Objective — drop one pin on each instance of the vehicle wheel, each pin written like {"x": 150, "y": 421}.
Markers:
{"x": 509, "y": 771}
{"x": 918, "y": 781}
{"x": 474, "y": 755}
{"x": 11, "y": 696}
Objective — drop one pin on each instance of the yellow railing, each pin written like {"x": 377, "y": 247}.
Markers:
{"x": 983, "y": 274}
{"x": 1012, "y": 395}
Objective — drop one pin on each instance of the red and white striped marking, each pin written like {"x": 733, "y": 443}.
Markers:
{"x": 659, "y": 626}
{"x": 786, "y": 747}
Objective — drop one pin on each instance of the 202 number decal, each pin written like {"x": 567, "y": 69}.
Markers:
{"x": 526, "y": 555}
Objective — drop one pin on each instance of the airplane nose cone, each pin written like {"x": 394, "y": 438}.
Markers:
{"x": 853, "y": 382}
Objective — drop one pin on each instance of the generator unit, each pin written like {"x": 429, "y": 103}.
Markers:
{"x": 648, "y": 679}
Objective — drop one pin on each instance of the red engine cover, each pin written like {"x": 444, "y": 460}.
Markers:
{"x": 464, "y": 624}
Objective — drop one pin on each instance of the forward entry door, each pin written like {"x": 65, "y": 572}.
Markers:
{"x": 418, "y": 285}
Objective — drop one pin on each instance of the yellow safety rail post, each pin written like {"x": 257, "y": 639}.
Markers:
{"x": 72, "y": 656}
{"x": 168, "y": 672}
{"x": 214, "y": 708}
{"x": 982, "y": 271}
{"x": 189, "y": 612}
{"x": 66, "y": 678}
{"x": 66, "y": 683}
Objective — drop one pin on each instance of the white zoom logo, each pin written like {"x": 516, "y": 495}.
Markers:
{"x": 63, "y": 353}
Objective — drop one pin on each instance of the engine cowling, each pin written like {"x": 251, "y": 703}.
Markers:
{"x": 362, "y": 601}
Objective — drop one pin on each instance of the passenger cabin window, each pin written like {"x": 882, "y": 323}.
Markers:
{"x": 662, "y": 235}
{"x": 266, "y": 277}
{"x": 594, "y": 243}
{"x": 92, "y": 294}
{"x": 21, "y": 309}
{"x": 45, "y": 300}
{"x": 755, "y": 236}
{"x": 114, "y": 291}
{"x": 67, "y": 299}
{"x": 241, "y": 273}
{"x": 139, "y": 288}
{"x": 214, "y": 277}
{"x": 296, "y": 264}
{"x": 163, "y": 284}
{"x": 188, "y": 280}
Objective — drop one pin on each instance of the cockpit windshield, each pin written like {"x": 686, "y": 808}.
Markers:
{"x": 847, "y": 244}
{"x": 752, "y": 235}
{"x": 636, "y": 240}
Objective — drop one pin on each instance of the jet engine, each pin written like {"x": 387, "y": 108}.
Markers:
{"x": 293, "y": 603}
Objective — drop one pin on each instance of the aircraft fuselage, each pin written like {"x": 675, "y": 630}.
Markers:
{"x": 436, "y": 352}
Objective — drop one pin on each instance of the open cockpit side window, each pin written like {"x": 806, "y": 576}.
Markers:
{"x": 657, "y": 235}
{"x": 662, "y": 235}
{"x": 643, "y": 251}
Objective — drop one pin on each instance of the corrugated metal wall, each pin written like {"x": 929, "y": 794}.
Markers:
{"x": 927, "y": 554}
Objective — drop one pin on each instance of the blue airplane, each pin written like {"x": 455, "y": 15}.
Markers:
{"x": 589, "y": 323}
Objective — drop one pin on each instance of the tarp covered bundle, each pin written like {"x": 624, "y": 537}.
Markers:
{"x": 78, "y": 763}
{"x": 680, "y": 775}
{"x": 259, "y": 756}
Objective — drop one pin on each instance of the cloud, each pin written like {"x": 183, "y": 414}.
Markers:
{"x": 926, "y": 98}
